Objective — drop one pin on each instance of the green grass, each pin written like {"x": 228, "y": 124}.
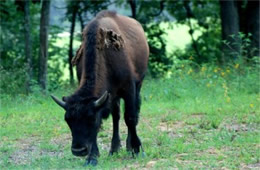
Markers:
{"x": 203, "y": 119}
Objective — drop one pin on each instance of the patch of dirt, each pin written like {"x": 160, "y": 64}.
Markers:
{"x": 236, "y": 127}
{"x": 27, "y": 149}
{"x": 61, "y": 140}
{"x": 251, "y": 166}
{"x": 197, "y": 115}
{"x": 103, "y": 144}
{"x": 150, "y": 164}
{"x": 171, "y": 128}
{"x": 212, "y": 151}
{"x": 233, "y": 126}
{"x": 196, "y": 164}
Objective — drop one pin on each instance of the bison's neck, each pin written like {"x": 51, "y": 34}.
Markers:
{"x": 93, "y": 72}
{"x": 93, "y": 80}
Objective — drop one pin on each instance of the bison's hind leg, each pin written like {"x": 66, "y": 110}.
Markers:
{"x": 132, "y": 108}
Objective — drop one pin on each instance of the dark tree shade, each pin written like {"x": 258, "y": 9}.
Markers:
{"x": 230, "y": 27}
{"x": 190, "y": 15}
{"x": 28, "y": 44}
{"x": 72, "y": 28}
{"x": 252, "y": 24}
{"x": 44, "y": 26}
{"x": 133, "y": 7}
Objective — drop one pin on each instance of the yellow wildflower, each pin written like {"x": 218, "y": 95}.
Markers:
{"x": 203, "y": 69}
{"x": 190, "y": 71}
{"x": 228, "y": 99}
{"x": 225, "y": 89}
{"x": 220, "y": 109}
{"x": 236, "y": 66}
{"x": 228, "y": 71}
{"x": 251, "y": 105}
{"x": 215, "y": 70}
{"x": 222, "y": 73}
{"x": 224, "y": 85}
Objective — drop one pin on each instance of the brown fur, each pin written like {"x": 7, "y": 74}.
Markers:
{"x": 122, "y": 53}
{"x": 111, "y": 64}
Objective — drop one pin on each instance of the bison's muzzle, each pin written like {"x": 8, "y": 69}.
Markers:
{"x": 80, "y": 151}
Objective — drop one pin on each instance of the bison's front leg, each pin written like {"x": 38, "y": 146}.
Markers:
{"x": 93, "y": 155}
{"x": 115, "y": 143}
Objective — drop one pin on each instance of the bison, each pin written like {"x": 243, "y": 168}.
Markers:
{"x": 111, "y": 64}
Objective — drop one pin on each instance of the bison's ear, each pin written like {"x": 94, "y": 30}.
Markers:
{"x": 65, "y": 99}
{"x": 101, "y": 100}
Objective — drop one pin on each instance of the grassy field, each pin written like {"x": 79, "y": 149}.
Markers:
{"x": 203, "y": 119}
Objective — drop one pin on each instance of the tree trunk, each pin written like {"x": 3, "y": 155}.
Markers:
{"x": 81, "y": 21}
{"x": 44, "y": 28}
{"x": 133, "y": 7}
{"x": 190, "y": 15}
{"x": 28, "y": 45}
{"x": 72, "y": 28}
{"x": 230, "y": 29}
{"x": 252, "y": 26}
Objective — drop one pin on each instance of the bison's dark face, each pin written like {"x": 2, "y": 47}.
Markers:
{"x": 84, "y": 120}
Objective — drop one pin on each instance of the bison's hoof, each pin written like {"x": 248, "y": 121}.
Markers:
{"x": 91, "y": 162}
{"x": 138, "y": 154}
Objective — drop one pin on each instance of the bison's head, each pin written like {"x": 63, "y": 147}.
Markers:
{"x": 83, "y": 118}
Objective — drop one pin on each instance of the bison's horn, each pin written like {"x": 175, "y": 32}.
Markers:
{"x": 59, "y": 102}
{"x": 101, "y": 100}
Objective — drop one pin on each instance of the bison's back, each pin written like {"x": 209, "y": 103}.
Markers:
{"x": 131, "y": 60}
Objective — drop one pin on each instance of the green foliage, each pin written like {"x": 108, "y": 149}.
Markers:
{"x": 12, "y": 54}
{"x": 12, "y": 50}
{"x": 158, "y": 61}
{"x": 245, "y": 52}
{"x": 58, "y": 58}
{"x": 198, "y": 119}
{"x": 85, "y": 8}
{"x": 204, "y": 19}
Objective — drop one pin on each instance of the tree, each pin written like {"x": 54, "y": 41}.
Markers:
{"x": 230, "y": 29}
{"x": 249, "y": 24}
{"x": 75, "y": 10}
{"x": 44, "y": 25}
{"x": 253, "y": 24}
{"x": 28, "y": 44}
{"x": 239, "y": 16}
{"x": 190, "y": 15}
{"x": 72, "y": 7}
{"x": 202, "y": 19}
{"x": 72, "y": 28}
{"x": 132, "y": 4}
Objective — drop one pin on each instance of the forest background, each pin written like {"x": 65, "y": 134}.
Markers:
{"x": 39, "y": 38}
{"x": 200, "y": 98}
